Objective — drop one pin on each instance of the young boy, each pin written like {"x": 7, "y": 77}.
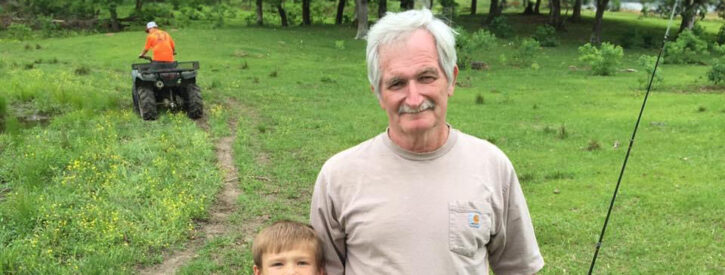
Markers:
{"x": 288, "y": 247}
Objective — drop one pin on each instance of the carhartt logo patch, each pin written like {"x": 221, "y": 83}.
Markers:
{"x": 474, "y": 220}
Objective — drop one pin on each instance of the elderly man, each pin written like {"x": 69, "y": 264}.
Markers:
{"x": 422, "y": 197}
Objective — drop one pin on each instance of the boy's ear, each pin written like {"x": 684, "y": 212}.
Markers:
{"x": 257, "y": 271}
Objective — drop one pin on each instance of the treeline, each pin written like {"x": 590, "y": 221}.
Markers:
{"x": 104, "y": 14}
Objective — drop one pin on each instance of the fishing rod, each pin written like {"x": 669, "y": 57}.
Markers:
{"x": 631, "y": 140}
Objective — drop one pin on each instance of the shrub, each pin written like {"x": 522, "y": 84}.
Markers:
{"x": 717, "y": 73}
{"x": 615, "y": 5}
{"x": 546, "y": 35}
{"x": 526, "y": 51}
{"x": 647, "y": 63}
{"x": 467, "y": 44}
{"x": 19, "y": 31}
{"x": 720, "y": 39}
{"x": 687, "y": 49}
{"x": 603, "y": 60}
{"x": 500, "y": 27}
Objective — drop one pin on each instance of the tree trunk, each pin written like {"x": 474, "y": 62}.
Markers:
{"x": 474, "y": 5}
{"x": 555, "y": 13}
{"x": 382, "y": 8}
{"x": 536, "y": 7}
{"x": 340, "y": 11}
{"x": 494, "y": 11}
{"x": 407, "y": 4}
{"x": 306, "y": 13}
{"x": 115, "y": 26}
{"x": 529, "y": 10}
{"x": 260, "y": 17}
{"x": 689, "y": 8}
{"x": 361, "y": 8}
{"x": 596, "y": 37}
{"x": 139, "y": 5}
{"x": 576, "y": 14}
{"x": 282, "y": 14}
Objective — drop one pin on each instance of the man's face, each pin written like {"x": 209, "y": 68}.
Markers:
{"x": 298, "y": 261}
{"x": 414, "y": 90}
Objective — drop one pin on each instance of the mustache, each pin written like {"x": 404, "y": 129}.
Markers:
{"x": 407, "y": 109}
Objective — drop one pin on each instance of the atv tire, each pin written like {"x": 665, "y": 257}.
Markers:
{"x": 134, "y": 95}
{"x": 146, "y": 103}
{"x": 194, "y": 103}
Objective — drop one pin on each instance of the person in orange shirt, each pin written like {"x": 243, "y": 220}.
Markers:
{"x": 160, "y": 43}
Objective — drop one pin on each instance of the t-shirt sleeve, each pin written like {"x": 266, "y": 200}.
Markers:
{"x": 514, "y": 249}
{"x": 324, "y": 218}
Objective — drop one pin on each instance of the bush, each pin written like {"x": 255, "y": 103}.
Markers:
{"x": 19, "y": 31}
{"x": 647, "y": 63}
{"x": 526, "y": 51}
{"x": 467, "y": 44}
{"x": 603, "y": 60}
{"x": 687, "y": 49}
{"x": 615, "y": 5}
{"x": 717, "y": 71}
{"x": 546, "y": 35}
{"x": 720, "y": 39}
{"x": 500, "y": 27}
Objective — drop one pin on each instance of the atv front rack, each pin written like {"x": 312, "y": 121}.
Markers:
{"x": 180, "y": 67}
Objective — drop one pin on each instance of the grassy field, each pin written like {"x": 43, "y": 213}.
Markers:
{"x": 96, "y": 190}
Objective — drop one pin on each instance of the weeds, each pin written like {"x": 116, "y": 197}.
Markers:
{"x": 479, "y": 99}
{"x": 593, "y": 145}
{"x": 82, "y": 70}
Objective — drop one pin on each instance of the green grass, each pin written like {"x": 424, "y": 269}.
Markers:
{"x": 101, "y": 190}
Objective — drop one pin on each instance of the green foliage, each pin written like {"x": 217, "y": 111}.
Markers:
{"x": 501, "y": 28}
{"x": 615, "y": 5}
{"x": 647, "y": 63}
{"x": 634, "y": 38}
{"x": 467, "y": 44}
{"x": 687, "y": 49}
{"x": 526, "y": 51}
{"x": 546, "y": 35}
{"x": 3, "y": 112}
{"x": 603, "y": 60}
{"x": 716, "y": 74}
{"x": 162, "y": 13}
{"x": 19, "y": 31}
{"x": 720, "y": 39}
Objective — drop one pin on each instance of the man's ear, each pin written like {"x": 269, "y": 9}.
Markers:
{"x": 453, "y": 81}
{"x": 257, "y": 271}
{"x": 322, "y": 270}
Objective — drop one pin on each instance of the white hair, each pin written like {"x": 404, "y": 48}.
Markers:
{"x": 396, "y": 27}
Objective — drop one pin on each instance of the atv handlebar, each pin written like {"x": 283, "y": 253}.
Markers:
{"x": 145, "y": 57}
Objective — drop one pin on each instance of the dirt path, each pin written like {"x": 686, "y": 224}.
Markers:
{"x": 224, "y": 205}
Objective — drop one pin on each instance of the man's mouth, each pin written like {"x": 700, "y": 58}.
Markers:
{"x": 426, "y": 105}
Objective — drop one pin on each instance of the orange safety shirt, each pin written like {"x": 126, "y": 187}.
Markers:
{"x": 161, "y": 44}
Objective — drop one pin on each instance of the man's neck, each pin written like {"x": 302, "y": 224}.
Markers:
{"x": 422, "y": 142}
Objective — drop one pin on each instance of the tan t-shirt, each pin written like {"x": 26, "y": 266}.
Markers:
{"x": 382, "y": 210}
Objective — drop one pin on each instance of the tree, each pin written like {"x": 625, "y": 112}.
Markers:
{"x": 340, "y": 11}
{"x": 536, "y": 7}
{"x": 555, "y": 14}
{"x": 596, "y": 37}
{"x": 382, "y": 8}
{"x": 115, "y": 25}
{"x": 576, "y": 14}
{"x": 260, "y": 15}
{"x": 282, "y": 13}
{"x": 407, "y": 4}
{"x": 474, "y": 4}
{"x": 494, "y": 11}
{"x": 690, "y": 11}
{"x": 139, "y": 5}
{"x": 306, "y": 12}
{"x": 361, "y": 10}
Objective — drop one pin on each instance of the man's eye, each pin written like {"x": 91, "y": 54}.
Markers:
{"x": 396, "y": 85}
{"x": 276, "y": 264}
{"x": 427, "y": 79}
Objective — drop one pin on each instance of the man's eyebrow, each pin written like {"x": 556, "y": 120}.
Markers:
{"x": 392, "y": 80}
{"x": 428, "y": 70}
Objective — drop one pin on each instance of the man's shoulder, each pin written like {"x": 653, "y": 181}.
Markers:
{"x": 481, "y": 148}
{"x": 359, "y": 152}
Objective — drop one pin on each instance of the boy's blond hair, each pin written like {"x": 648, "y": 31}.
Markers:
{"x": 287, "y": 235}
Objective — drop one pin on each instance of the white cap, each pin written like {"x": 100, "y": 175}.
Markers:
{"x": 151, "y": 24}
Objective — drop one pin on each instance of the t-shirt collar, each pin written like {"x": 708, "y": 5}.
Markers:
{"x": 450, "y": 142}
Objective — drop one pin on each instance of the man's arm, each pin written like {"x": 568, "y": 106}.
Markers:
{"x": 147, "y": 46}
{"x": 514, "y": 250}
{"x": 323, "y": 218}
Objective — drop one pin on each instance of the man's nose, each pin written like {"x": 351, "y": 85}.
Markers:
{"x": 414, "y": 97}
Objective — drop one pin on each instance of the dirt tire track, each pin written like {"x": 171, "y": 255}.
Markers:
{"x": 224, "y": 206}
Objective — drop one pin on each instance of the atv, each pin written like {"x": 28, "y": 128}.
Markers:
{"x": 169, "y": 85}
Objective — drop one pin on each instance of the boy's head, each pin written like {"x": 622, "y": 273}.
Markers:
{"x": 288, "y": 246}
